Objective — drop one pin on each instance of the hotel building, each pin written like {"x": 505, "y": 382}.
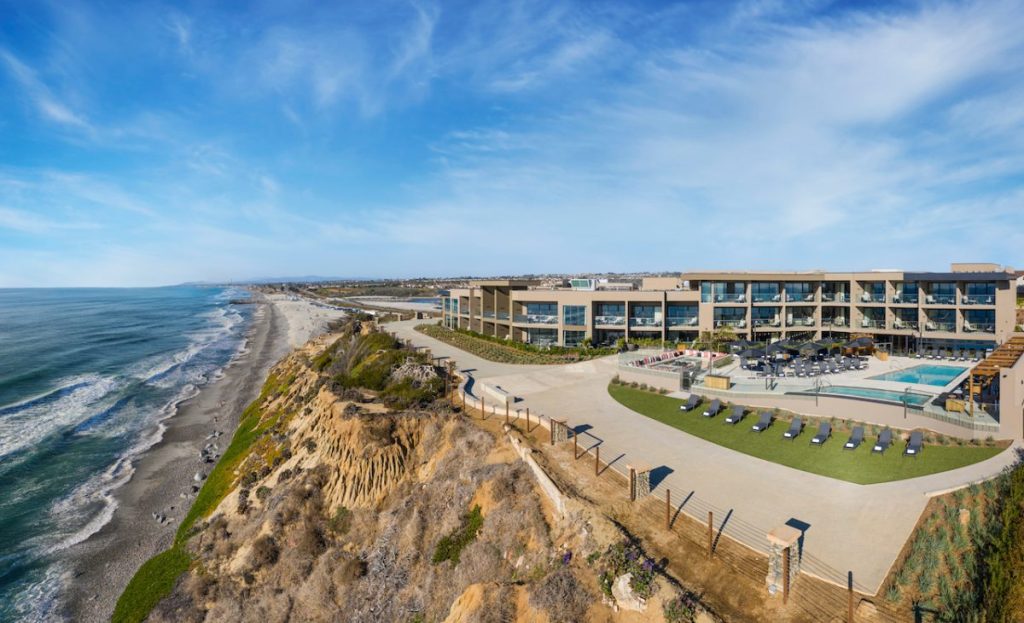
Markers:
{"x": 971, "y": 307}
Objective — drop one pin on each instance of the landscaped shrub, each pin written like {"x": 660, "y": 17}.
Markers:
{"x": 681, "y": 609}
{"x": 624, "y": 557}
{"x": 510, "y": 351}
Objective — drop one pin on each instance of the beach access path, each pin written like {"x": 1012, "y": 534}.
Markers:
{"x": 847, "y": 527}
{"x": 164, "y": 474}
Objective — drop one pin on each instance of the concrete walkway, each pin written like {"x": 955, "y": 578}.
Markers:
{"x": 860, "y": 528}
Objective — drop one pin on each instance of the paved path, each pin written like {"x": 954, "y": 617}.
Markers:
{"x": 847, "y": 526}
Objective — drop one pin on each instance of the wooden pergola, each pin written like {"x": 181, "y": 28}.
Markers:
{"x": 987, "y": 372}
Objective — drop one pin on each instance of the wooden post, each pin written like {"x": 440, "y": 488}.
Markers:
{"x": 711, "y": 531}
{"x": 632, "y": 484}
{"x": 483, "y": 411}
{"x": 506, "y": 412}
{"x": 668, "y": 509}
{"x": 597, "y": 461}
{"x": 785, "y": 575}
{"x": 849, "y": 591}
{"x": 575, "y": 447}
{"x": 527, "y": 419}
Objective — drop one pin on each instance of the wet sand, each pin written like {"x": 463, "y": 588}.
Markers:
{"x": 103, "y": 564}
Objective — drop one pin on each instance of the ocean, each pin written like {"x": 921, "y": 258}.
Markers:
{"x": 86, "y": 378}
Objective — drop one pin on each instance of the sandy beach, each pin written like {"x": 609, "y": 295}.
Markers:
{"x": 163, "y": 479}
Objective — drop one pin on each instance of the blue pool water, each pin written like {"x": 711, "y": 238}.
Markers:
{"x": 940, "y": 376}
{"x": 870, "y": 393}
{"x": 86, "y": 376}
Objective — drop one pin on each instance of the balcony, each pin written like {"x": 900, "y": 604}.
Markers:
{"x": 871, "y": 323}
{"x": 806, "y": 297}
{"x": 933, "y": 326}
{"x": 736, "y": 324}
{"x": 610, "y": 320}
{"x": 800, "y": 322}
{"x": 730, "y": 297}
{"x": 838, "y": 321}
{"x": 905, "y": 325}
{"x": 766, "y": 322}
{"x": 487, "y": 314}
{"x": 767, "y": 298}
{"x": 978, "y": 299}
{"x": 904, "y": 299}
{"x": 502, "y": 315}
{"x": 536, "y": 319}
{"x": 867, "y": 297}
{"x": 645, "y": 323}
{"x": 682, "y": 321}
{"x": 981, "y": 327}
{"x": 940, "y": 299}
{"x": 835, "y": 297}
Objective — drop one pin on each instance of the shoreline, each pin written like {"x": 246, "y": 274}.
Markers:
{"x": 102, "y": 565}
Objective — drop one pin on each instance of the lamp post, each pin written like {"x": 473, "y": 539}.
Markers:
{"x": 906, "y": 400}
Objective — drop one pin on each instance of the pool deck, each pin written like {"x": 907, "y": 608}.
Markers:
{"x": 860, "y": 528}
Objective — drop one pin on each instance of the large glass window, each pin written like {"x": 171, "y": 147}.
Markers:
{"x": 905, "y": 293}
{"x": 905, "y": 319}
{"x": 574, "y": 314}
{"x": 730, "y": 317}
{"x": 542, "y": 337}
{"x": 941, "y": 293}
{"x": 645, "y": 315}
{"x": 540, "y": 313}
{"x": 872, "y": 318}
{"x": 980, "y": 294}
{"x": 766, "y": 317}
{"x": 835, "y": 291}
{"x": 610, "y": 314}
{"x": 765, "y": 292}
{"x": 573, "y": 338}
{"x": 723, "y": 292}
{"x": 798, "y": 291}
{"x": 941, "y": 320}
{"x": 682, "y": 315}
{"x": 980, "y": 320}
{"x": 874, "y": 292}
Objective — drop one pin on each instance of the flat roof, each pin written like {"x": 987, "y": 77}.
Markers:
{"x": 477, "y": 283}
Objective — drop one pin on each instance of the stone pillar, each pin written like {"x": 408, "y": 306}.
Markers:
{"x": 783, "y": 543}
{"x": 641, "y": 476}
{"x": 559, "y": 431}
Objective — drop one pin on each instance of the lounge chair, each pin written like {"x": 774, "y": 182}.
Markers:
{"x": 824, "y": 432}
{"x": 691, "y": 403}
{"x": 855, "y": 439}
{"x": 735, "y": 415}
{"x": 794, "y": 429}
{"x": 884, "y": 441}
{"x": 763, "y": 422}
{"x": 713, "y": 408}
{"x": 914, "y": 445}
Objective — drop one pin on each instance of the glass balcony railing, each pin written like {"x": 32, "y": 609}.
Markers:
{"x": 536, "y": 318}
{"x": 800, "y": 297}
{"x": 766, "y": 322}
{"x": 610, "y": 320}
{"x": 867, "y": 297}
{"x": 978, "y": 299}
{"x": 904, "y": 299}
{"x": 835, "y": 297}
{"x": 838, "y": 321}
{"x": 871, "y": 323}
{"x": 979, "y": 327}
{"x": 487, "y": 314}
{"x": 940, "y": 299}
{"x": 502, "y": 315}
{"x": 768, "y": 297}
{"x": 645, "y": 322}
{"x": 932, "y": 325}
{"x": 905, "y": 325}
{"x": 730, "y": 297}
{"x": 682, "y": 321}
{"x": 738, "y": 324}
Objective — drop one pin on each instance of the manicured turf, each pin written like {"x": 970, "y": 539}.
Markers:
{"x": 860, "y": 466}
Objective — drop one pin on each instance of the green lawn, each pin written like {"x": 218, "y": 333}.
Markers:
{"x": 860, "y": 466}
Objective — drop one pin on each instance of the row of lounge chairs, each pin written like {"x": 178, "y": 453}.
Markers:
{"x": 962, "y": 354}
{"x": 736, "y": 413}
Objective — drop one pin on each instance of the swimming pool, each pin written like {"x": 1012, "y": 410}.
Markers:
{"x": 870, "y": 393}
{"x": 940, "y": 376}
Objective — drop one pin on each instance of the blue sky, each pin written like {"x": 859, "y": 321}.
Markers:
{"x": 152, "y": 143}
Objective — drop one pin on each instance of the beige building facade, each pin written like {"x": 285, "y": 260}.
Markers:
{"x": 972, "y": 306}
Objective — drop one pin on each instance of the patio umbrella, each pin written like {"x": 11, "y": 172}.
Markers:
{"x": 811, "y": 348}
{"x": 860, "y": 342}
{"x": 752, "y": 353}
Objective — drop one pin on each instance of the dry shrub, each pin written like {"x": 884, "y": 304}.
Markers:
{"x": 264, "y": 552}
{"x": 562, "y": 596}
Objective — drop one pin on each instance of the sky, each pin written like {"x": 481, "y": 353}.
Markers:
{"x": 152, "y": 143}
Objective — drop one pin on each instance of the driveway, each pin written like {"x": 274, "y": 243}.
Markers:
{"x": 848, "y": 527}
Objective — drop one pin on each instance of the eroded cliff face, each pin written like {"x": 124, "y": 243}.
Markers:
{"x": 341, "y": 503}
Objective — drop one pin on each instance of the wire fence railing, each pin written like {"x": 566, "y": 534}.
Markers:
{"x": 742, "y": 546}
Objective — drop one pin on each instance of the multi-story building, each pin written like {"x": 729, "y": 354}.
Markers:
{"x": 971, "y": 306}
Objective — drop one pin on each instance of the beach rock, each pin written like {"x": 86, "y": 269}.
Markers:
{"x": 199, "y": 477}
{"x": 624, "y": 595}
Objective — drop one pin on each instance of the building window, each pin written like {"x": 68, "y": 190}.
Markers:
{"x": 764, "y": 292}
{"x": 682, "y": 315}
{"x": 980, "y": 294}
{"x": 542, "y": 337}
{"x": 575, "y": 315}
{"x": 941, "y": 293}
{"x": 799, "y": 291}
{"x": 573, "y": 338}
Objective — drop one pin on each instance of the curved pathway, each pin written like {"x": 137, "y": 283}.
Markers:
{"x": 847, "y": 526}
